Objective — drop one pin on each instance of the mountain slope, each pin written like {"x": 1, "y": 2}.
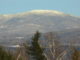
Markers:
{"x": 43, "y": 20}
{"x": 19, "y": 25}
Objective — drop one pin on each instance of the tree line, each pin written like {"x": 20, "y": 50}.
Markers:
{"x": 35, "y": 51}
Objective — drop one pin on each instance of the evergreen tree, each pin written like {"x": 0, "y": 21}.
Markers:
{"x": 35, "y": 50}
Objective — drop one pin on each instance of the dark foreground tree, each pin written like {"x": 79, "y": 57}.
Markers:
{"x": 35, "y": 51}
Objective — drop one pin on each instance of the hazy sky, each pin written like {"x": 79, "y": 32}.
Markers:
{"x": 16, "y": 6}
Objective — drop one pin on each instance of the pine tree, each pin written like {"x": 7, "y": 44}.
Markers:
{"x": 35, "y": 50}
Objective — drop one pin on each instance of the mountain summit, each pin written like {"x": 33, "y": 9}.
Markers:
{"x": 17, "y": 26}
{"x": 35, "y": 12}
{"x": 43, "y": 20}
{"x": 46, "y": 11}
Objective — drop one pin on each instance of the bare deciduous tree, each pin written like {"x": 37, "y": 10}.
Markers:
{"x": 53, "y": 45}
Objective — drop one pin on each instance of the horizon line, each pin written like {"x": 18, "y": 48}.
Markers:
{"x": 23, "y": 12}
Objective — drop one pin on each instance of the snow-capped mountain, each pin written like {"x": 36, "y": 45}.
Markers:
{"x": 43, "y": 20}
{"x": 22, "y": 24}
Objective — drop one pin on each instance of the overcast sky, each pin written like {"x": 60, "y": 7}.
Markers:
{"x": 17, "y": 6}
